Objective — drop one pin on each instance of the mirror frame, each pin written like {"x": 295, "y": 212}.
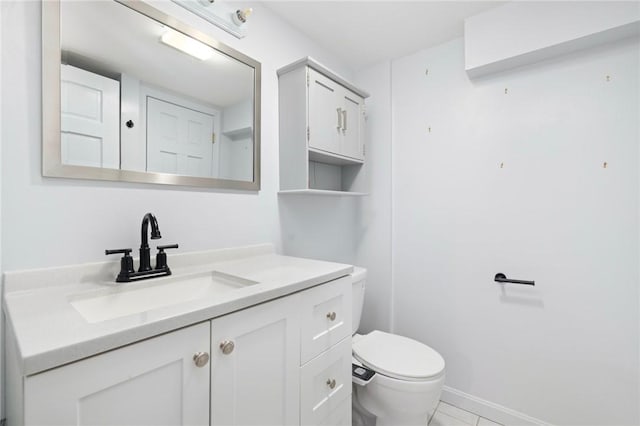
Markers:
{"x": 51, "y": 111}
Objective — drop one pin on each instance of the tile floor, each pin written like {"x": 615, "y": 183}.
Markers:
{"x": 448, "y": 415}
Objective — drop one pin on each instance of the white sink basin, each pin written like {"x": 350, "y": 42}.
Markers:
{"x": 152, "y": 294}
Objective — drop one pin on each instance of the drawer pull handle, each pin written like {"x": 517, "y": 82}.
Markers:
{"x": 331, "y": 383}
{"x": 201, "y": 359}
{"x": 331, "y": 316}
{"x": 227, "y": 347}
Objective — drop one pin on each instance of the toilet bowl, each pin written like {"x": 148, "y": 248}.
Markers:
{"x": 409, "y": 375}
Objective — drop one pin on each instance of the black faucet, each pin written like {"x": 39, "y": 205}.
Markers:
{"x": 127, "y": 272}
{"x": 145, "y": 252}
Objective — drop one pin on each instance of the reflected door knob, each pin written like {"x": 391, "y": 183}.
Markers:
{"x": 227, "y": 347}
{"x": 201, "y": 359}
{"x": 331, "y": 316}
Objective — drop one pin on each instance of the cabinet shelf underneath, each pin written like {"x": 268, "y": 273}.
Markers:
{"x": 331, "y": 158}
{"x": 322, "y": 192}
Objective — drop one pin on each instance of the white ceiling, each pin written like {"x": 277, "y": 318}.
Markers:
{"x": 363, "y": 33}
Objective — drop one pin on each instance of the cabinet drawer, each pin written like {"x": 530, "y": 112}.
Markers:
{"x": 341, "y": 416}
{"x": 326, "y": 317}
{"x": 325, "y": 383}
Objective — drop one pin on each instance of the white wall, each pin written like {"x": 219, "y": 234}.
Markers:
{"x": 515, "y": 182}
{"x": 1, "y": 282}
{"x": 49, "y": 222}
{"x": 374, "y": 227}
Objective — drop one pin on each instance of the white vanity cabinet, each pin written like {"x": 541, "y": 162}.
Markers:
{"x": 153, "y": 382}
{"x": 286, "y": 361}
{"x": 325, "y": 372}
{"x": 322, "y": 117}
{"x": 255, "y": 354}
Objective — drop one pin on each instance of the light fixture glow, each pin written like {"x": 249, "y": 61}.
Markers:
{"x": 186, "y": 44}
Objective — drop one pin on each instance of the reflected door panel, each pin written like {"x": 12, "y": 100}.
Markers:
{"x": 90, "y": 111}
{"x": 179, "y": 139}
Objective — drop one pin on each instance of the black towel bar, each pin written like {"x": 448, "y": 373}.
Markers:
{"x": 502, "y": 278}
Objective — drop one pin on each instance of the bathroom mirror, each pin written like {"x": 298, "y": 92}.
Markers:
{"x": 131, "y": 94}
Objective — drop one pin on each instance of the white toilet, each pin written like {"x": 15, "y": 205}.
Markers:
{"x": 409, "y": 375}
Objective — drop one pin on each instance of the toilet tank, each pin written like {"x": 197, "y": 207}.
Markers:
{"x": 358, "y": 277}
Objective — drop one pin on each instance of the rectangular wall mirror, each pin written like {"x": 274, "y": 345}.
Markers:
{"x": 131, "y": 94}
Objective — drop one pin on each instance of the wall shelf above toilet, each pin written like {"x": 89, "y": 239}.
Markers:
{"x": 322, "y": 121}
{"x": 322, "y": 192}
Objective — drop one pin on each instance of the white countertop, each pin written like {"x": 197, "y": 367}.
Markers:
{"x": 50, "y": 332}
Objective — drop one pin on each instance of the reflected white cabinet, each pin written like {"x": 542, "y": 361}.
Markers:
{"x": 322, "y": 116}
{"x": 254, "y": 365}
{"x": 153, "y": 382}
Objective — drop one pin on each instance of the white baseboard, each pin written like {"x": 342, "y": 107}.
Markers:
{"x": 487, "y": 409}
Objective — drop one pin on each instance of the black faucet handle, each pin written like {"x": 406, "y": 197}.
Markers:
{"x": 117, "y": 251}
{"x": 126, "y": 264}
{"x": 161, "y": 257}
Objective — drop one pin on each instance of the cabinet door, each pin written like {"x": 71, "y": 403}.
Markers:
{"x": 255, "y": 365}
{"x": 153, "y": 382}
{"x": 326, "y": 317}
{"x": 325, "y": 113}
{"x": 325, "y": 385}
{"x": 352, "y": 125}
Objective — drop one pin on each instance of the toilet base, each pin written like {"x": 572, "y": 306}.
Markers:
{"x": 394, "y": 402}
{"x": 359, "y": 415}
{"x": 421, "y": 421}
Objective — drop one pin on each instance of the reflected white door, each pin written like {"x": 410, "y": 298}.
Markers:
{"x": 90, "y": 109}
{"x": 179, "y": 139}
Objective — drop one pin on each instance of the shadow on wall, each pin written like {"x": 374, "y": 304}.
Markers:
{"x": 319, "y": 227}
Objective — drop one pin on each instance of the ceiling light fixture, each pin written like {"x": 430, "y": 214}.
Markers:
{"x": 186, "y": 44}
{"x": 230, "y": 19}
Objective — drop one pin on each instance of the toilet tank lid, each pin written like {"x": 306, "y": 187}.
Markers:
{"x": 358, "y": 274}
{"x": 398, "y": 356}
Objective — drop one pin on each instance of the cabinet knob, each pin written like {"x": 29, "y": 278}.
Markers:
{"x": 331, "y": 383}
{"x": 227, "y": 347}
{"x": 331, "y": 316}
{"x": 201, "y": 359}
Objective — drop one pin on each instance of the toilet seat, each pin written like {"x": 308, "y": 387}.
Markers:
{"x": 398, "y": 357}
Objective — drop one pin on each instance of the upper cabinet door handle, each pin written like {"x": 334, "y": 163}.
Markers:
{"x": 339, "y": 111}
{"x": 344, "y": 120}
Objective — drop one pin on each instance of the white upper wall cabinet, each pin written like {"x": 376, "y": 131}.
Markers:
{"x": 332, "y": 109}
{"x": 322, "y": 117}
